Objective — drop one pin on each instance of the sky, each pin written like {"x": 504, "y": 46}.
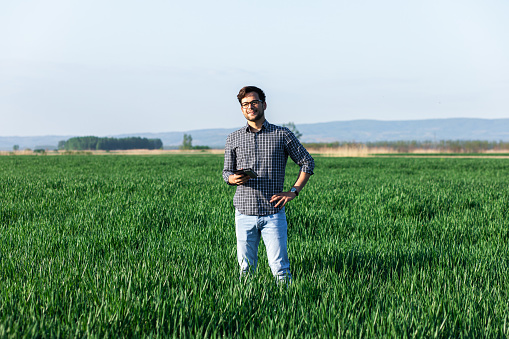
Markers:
{"x": 117, "y": 67}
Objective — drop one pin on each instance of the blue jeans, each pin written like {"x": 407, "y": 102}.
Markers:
{"x": 273, "y": 229}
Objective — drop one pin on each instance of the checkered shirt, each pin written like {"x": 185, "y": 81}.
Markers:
{"x": 266, "y": 152}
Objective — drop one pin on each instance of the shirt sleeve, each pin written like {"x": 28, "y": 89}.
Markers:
{"x": 298, "y": 153}
{"x": 229, "y": 160}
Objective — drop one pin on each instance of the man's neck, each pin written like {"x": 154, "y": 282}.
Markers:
{"x": 255, "y": 126}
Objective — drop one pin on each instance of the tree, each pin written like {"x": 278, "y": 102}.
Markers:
{"x": 110, "y": 144}
{"x": 293, "y": 129}
{"x": 187, "y": 143}
{"x": 15, "y": 148}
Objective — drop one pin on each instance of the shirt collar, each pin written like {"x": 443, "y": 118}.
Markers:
{"x": 265, "y": 125}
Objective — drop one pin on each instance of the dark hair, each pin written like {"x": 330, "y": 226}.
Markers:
{"x": 248, "y": 89}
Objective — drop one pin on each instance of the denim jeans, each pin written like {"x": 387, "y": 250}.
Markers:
{"x": 273, "y": 229}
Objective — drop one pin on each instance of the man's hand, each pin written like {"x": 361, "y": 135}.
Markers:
{"x": 238, "y": 179}
{"x": 282, "y": 198}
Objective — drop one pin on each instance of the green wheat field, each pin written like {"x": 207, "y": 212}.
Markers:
{"x": 123, "y": 246}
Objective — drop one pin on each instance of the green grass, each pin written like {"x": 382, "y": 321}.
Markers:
{"x": 441, "y": 154}
{"x": 145, "y": 246}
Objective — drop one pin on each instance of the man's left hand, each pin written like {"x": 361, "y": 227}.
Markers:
{"x": 282, "y": 198}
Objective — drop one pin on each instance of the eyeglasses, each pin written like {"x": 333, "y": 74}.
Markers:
{"x": 248, "y": 104}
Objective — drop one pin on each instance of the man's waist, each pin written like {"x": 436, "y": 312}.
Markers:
{"x": 239, "y": 212}
{"x": 259, "y": 210}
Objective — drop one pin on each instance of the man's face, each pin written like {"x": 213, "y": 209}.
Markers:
{"x": 252, "y": 107}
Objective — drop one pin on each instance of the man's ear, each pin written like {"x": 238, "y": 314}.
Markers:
{"x": 264, "y": 105}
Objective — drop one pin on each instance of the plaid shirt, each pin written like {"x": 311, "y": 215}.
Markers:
{"x": 266, "y": 152}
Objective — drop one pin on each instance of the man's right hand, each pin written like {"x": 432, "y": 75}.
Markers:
{"x": 238, "y": 179}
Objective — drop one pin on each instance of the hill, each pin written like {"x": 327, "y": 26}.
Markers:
{"x": 354, "y": 130}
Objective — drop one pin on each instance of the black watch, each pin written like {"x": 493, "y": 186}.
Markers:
{"x": 294, "y": 190}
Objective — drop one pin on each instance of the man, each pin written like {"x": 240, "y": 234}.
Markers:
{"x": 259, "y": 202}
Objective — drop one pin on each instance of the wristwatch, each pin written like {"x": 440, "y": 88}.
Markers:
{"x": 294, "y": 190}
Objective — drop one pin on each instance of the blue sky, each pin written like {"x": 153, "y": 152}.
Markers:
{"x": 112, "y": 67}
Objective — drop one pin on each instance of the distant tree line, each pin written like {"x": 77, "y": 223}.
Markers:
{"x": 455, "y": 146}
{"x": 109, "y": 144}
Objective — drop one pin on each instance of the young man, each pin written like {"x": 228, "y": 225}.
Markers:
{"x": 259, "y": 200}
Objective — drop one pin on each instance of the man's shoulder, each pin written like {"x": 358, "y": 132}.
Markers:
{"x": 237, "y": 133}
{"x": 281, "y": 131}
{"x": 276, "y": 128}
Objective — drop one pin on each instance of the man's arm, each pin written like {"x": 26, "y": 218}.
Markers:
{"x": 230, "y": 163}
{"x": 302, "y": 158}
{"x": 283, "y": 197}
{"x": 298, "y": 153}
